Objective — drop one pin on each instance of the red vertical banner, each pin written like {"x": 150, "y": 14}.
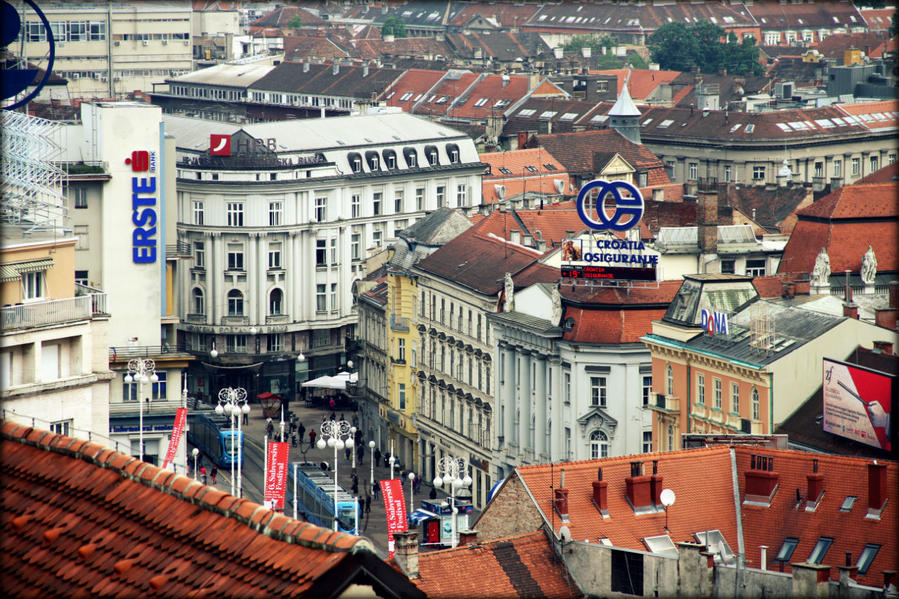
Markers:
{"x": 177, "y": 431}
{"x": 275, "y": 475}
{"x": 395, "y": 506}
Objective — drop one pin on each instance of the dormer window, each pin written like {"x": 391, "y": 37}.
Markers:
{"x": 355, "y": 161}
{"x": 431, "y": 155}
{"x": 373, "y": 160}
{"x": 411, "y": 156}
{"x": 452, "y": 150}
{"x": 390, "y": 159}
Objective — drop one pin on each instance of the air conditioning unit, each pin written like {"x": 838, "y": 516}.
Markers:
{"x": 186, "y": 42}
{"x": 164, "y": 42}
{"x": 145, "y": 42}
{"x": 75, "y": 76}
{"x": 118, "y": 43}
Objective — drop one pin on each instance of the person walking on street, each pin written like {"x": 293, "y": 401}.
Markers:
{"x": 302, "y": 431}
{"x": 203, "y": 473}
{"x": 215, "y": 471}
{"x": 375, "y": 488}
{"x": 312, "y": 437}
{"x": 368, "y": 503}
{"x": 355, "y": 487}
{"x": 361, "y": 452}
{"x": 377, "y": 455}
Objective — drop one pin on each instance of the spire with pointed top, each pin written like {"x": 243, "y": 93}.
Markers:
{"x": 625, "y": 116}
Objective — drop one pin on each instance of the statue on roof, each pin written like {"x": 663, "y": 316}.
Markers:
{"x": 869, "y": 266}
{"x": 821, "y": 272}
{"x": 556, "y": 297}
{"x": 508, "y": 293}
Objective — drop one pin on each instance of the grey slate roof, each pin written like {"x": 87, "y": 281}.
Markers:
{"x": 320, "y": 79}
{"x": 427, "y": 235}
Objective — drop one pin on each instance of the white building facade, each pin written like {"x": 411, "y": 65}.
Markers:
{"x": 279, "y": 228}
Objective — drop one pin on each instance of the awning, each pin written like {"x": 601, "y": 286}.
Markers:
{"x": 13, "y": 271}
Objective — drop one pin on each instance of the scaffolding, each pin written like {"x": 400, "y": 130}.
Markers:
{"x": 31, "y": 186}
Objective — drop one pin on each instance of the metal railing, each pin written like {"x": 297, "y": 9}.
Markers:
{"x": 23, "y": 316}
{"x": 98, "y": 297}
{"x": 126, "y": 352}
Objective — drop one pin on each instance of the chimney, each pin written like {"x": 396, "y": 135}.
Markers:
{"x": 335, "y": 68}
{"x": 815, "y": 483}
{"x": 850, "y": 309}
{"x": 764, "y": 559}
{"x": 406, "y": 553}
{"x": 883, "y": 347}
{"x": 877, "y": 486}
{"x": 708, "y": 221}
{"x": 894, "y": 294}
{"x": 305, "y": 67}
{"x": 541, "y": 243}
{"x": 505, "y": 79}
{"x": 560, "y": 499}
{"x": 761, "y": 480}
{"x": 601, "y": 494}
{"x": 467, "y": 537}
{"x": 365, "y": 70}
{"x": 639, "y": 488}
{"x": 655, "y": 484}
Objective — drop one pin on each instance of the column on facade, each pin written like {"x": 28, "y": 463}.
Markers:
{"x": 524, "y": 401}
{"x": 252, "y": 299}
{"x": 261, "y": 278}
{"x": 556, "y": 423}
{"x": 507, "y": 391}
{"x": 212, "y": 278}
{"x": 540, "y": 407}
{"x": 294, "y": 273}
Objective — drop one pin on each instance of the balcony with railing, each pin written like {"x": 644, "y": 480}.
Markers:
{"x": 123, "y": 353}
{"x": 37, "y": 314}
{"x": 665, "y": 403}
{"x": 98, "y": 298}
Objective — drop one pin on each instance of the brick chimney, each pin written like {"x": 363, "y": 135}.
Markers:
{"x": 639, "y": 488}
{"x": 887, "y": 317}
{"x": 850, "y": 309}
{"x": 466, "y": 537}
{"x": 655, "y": 484}
{"x": 877, "y": 485}
{"x": 815, "y": 483}
{"x": 601, "y": 494}
{"x": 708, "y": 221}
{"x": 761, "y": 480}
{"x": 406, "y": 552}
{"x": 560, "y": 498}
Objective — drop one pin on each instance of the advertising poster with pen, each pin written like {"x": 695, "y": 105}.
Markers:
{"x": 857, "y": 403}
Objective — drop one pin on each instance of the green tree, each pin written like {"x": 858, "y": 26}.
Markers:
{"x": 297, "y": 21}
{"x": 894, "y": 25}
{"x": 394, "y": 26}
{"x": 636, "y": 61}
{"x": 741, "y": 57}
{"x": 709, "y": 47}
{"x": 596, "y": 43}
{"x": 674, "y": 47}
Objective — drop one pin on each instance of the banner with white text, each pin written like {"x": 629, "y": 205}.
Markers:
{"x": 275, "y": 475}
{"x": 177, "y": 431}
{"x": 395, "y": 506}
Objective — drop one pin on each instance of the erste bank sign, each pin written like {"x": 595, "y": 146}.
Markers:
{"x": 609, "y": 258}
{"x": 143, "y": 206}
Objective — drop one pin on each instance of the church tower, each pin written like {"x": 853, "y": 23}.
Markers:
{"x": 624, "y": 116}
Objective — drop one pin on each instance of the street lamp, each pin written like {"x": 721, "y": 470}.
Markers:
{"x": 411, "y": 489}
{"x": 371, "y": 461}
{"x": 233, "y": 403}
{"x": 336, "y": 434}
{"x": 213, "y": 353}
{"x": 449, "y": 472}
{"x": 143, "y": 371}
{"x": 353, "y": 434}
{"x": 195, "y": 453}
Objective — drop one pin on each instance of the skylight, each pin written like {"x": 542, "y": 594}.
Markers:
{"x": 797, "y": 125}
{"x": 568, "y": 116}
{"x": 787, "y": 549}
{"x": 481, "y": 102}
{"x": 847, "y": 504}
{"x": 665, "y": 124}
{"x": 825, "y": 123}
{"x": 646, "y": 122}
{"x": 526, "y": 112}
{"x": 784, "y": 127}
{"x": 661, "y": 544}
{"x": 532, "y": 169}
{"x": 504, "y": 170}
{"x": 750, "y": 128}
{"x": 735, "y": 127}
{"x": 599, "y": 118}
{"x": 820, "y": 550}
{"x": 548, "y": 114}
{"x": 839, "y": 121}
{"x": 550, "y": 167}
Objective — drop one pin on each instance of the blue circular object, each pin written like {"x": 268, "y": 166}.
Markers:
{"x": 628, "y": 209}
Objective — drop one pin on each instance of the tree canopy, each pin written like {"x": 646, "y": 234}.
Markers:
{"x": 680, "y": 47}
{"x": 596, "y": 42}
{"x": 394, "y": 26}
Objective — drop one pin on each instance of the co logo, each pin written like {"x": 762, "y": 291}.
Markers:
{"x": 628, "y": 205}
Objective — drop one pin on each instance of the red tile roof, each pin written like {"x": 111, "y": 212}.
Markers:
{"x": 874, "y": 115}
{"x": 642, "y": 81}
{"x": 886, "y": 174}
{"x": 83, "y": 520}
{"x": 506, "y": 14}
{"x": 878, "y": 19}
{"x": 575, "y": 151}
{"x": 521, "y": 179}
{"x": 615, "y": 315}
{"x": 702, "y": 480}
{"x": 414, "y": 82}
{"x": 507, "y": 89}
{"x": 554, "y": 222}
{"x": 519, "y": 566}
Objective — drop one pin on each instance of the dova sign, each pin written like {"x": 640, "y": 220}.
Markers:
{"x": 143, "y": 206}
{"x": 610, "y": 258}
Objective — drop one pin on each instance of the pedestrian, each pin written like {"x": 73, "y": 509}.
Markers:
{"x": 417, "y": 484}
{"x": 433, "y": 493}
{"x": 348, "y": 452}
{"x": 361, "y": 452}
{"x": 355, "y": 487}
{"x": 215, "y": 471}
{"x": 333, "y": 417}
{"x": 246, "y": 418}
{"x": 375, "y": 489}
{"x": 341, "y": 416}
{"x": 203, "y": 473}
{"x": 311, "y": 437}
{"x": 332, "y": 404}
{"x": 293, "y": 439}
{"x": 302, "y": 430}
{"x": 378, "y": 455}
{"x": 269, "y": 427}
{"x": 367, "y": 503}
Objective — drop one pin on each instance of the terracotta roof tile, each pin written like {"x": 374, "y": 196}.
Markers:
{"x": 519, "y": 566}
{"x": 77, "y": 524}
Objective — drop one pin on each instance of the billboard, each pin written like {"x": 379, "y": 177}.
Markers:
{"x": 857, "y": 403}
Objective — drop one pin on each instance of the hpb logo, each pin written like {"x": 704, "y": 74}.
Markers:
{"x": 628, "y": 206}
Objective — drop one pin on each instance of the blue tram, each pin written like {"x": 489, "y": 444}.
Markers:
{"x": 211, "y": 434}
{"x": 315, "y": 499}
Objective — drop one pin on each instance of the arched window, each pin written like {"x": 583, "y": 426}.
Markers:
{"x": 599, "y": 445}
{"x": 755, "y": 403}
{"x": 390, "y": 159}
{"x": 452, "y": 150}
{"x": 431, "y": 155}
{"x": 199, "y": 301}
{"x": 235, "y": 303}
{"x": 374, "y": 160}
{"x": 355, "y": 160}
{"x": 411, "y": 156}
{"x": 669, "y": 380}
{"x": 274, "y": 302}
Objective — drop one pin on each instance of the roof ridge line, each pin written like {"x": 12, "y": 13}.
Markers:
{"x": 168, "y": 482}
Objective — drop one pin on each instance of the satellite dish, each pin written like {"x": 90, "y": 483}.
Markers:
{"x": 559, "y": 184}
{"x": 667, "y": 497}
{"x": 500, "y": 191}
{"x": 565, "y": 533}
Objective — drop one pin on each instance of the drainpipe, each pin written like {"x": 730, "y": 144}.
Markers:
{"x": 689, "y": 407}
{"x": 770, "y": 403}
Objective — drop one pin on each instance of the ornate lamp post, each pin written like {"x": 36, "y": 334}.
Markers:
{"x": 141, "y": 370}
{"x": 195, "y": 452}
{"x": 233, "y": 403}
{"x": 411, "y": 491}
{"x": 450, "y": 472}
{"x": 336, "y": 434}
{"x": 371, "y": 461}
